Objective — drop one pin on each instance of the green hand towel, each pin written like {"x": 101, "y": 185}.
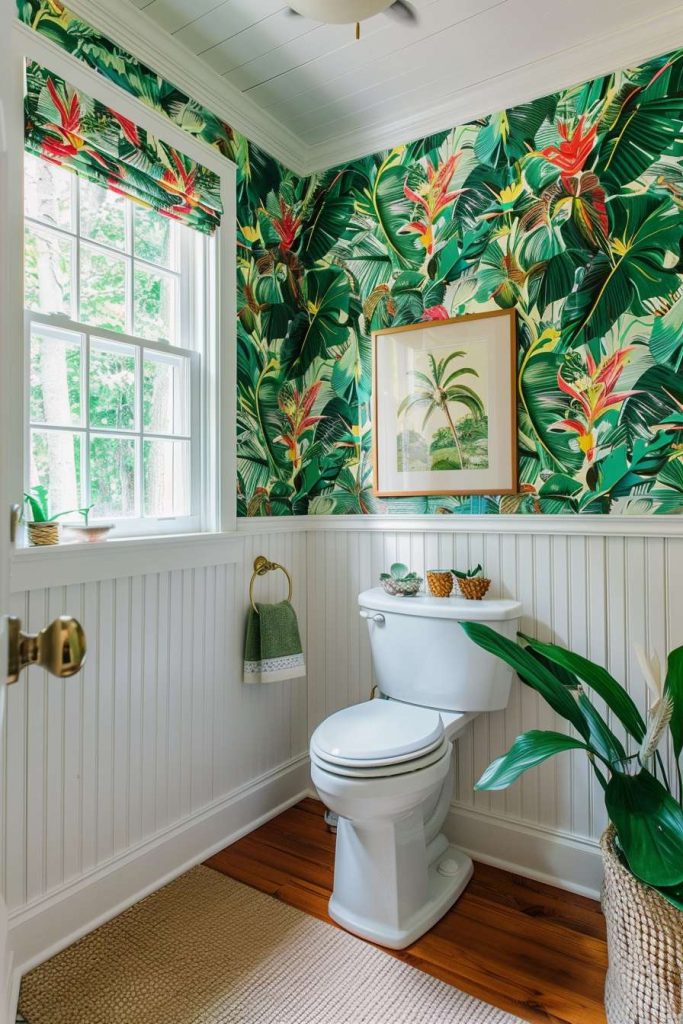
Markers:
{"x": 272, "y": 647}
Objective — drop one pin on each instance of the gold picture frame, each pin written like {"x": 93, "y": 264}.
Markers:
{"x": 422, "y": 373}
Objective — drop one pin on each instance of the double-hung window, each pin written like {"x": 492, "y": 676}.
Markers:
{"x": 115, "y": 344}
{"x": 122, "y": 280}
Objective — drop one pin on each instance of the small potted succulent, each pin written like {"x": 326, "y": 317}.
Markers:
{"x": 400, "y": 582}
{"x": 473, "y": 584}
{"x": 642, "y": 847}
{"x": 43, "y": 528}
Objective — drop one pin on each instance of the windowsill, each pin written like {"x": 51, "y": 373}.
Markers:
{"x": 72, "y": 562}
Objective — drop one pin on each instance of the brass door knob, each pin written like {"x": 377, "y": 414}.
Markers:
{"x": 60, "y": 648}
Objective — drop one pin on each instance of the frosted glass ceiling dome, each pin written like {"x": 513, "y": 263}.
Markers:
{"x": 339, "y": 12}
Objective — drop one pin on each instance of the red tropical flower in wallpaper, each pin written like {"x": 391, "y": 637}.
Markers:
{"x": 287, "y": 224}
{"x": 296, "y": 407}
{"x": 433, "y": 198}
{"x": 574, "y": 149}
{"x": 594, "y": 394}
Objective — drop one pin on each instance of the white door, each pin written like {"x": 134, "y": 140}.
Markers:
{"x": 7, "y": 433}
{"x": 61, "y": 649}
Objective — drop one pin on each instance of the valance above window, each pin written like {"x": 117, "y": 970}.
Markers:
{"x": 70, "y": 128}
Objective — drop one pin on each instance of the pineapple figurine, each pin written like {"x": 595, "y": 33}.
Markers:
{"x": 440, "y": 582}
{"x": 473, "y": 584}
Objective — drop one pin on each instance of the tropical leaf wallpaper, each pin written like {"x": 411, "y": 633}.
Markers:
{"x": 568, "y": 208}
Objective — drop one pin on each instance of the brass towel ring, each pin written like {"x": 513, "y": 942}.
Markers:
{"x": 262, "y": 565}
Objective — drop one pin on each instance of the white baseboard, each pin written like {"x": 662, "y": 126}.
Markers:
{"x": 48, "y": 925}
{"x": 553, "y": 857}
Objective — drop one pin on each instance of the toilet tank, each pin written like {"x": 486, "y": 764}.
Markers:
{"x": 422, "y": 656}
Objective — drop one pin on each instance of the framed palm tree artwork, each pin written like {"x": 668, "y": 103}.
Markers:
{"x": 444, "y": 406}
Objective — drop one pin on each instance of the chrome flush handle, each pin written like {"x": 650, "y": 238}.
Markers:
{"x": 372, "y": 616}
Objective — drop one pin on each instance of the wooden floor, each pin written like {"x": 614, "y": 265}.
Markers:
{"x": 528, "y": 948}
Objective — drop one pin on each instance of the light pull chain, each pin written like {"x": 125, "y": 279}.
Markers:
{"x": 357, "y": 30}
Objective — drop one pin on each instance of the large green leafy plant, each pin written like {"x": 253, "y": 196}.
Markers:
{"x": 644, "y": 806}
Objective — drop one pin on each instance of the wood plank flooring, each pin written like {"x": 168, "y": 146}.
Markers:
{"x": 528, "y": 948}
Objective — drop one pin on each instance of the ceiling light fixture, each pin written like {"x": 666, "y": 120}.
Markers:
{"x": 348, "y": 12}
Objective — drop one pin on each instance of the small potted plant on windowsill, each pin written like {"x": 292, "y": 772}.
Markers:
{"x": 86, "y": 532}
{"x": 642, "y": 848}
{"x": 43, "y": 528}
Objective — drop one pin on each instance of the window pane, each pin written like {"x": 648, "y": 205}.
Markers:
{"x": 166, "y": 473}
{"x": 154, "y": 237}
{"x": 112, "y": 476}
{"x": 103, "y": 215}
{"x": 56, "y": 464}
{"x": 48, "y": 270}
{"x": 166, "y": 394}
{"x": 112, "y": 386}
{"x": 103, "y": 288}
{"x": 55, "y": 376}
{"x": 48, "y": 192}
{"x": 154, "y": 305}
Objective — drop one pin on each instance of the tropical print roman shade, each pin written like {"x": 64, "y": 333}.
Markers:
{"x": 70, "y": 128}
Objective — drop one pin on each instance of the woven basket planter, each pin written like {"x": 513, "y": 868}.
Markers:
{"x": 645, "y": 946}
{"x": 473, "y": 587}
{"x": 43, "y": 533}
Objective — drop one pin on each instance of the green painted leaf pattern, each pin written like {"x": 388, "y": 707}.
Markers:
{"x": 567, "y": 208}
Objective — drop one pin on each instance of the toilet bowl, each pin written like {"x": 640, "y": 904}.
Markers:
{"x": 384, "y": 767}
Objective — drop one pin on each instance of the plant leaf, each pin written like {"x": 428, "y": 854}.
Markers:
{"x": 673, "y": 686}
{"x": 528, "y": 750}
{"x": 599, "y": 679}
{"x": 530, "y": 671}
{"x": 322, "y": 325}
{"x": 643, "y": 268}
{"x": 649, "y": 824}
{"x": 601, "y": 736}
{"x": 672, "y": 893}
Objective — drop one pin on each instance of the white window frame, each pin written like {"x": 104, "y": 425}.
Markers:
{"x": 191, "y": 263}
{"x": 216, "y": 409}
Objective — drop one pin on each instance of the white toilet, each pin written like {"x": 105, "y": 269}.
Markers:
{"x": 384, "y": 766}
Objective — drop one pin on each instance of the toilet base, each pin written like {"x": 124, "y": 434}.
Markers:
{"x": 448, "y": 876}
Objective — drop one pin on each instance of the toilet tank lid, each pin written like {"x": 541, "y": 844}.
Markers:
{"x": 486, "y": 610}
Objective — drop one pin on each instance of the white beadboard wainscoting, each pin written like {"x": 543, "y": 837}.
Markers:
{"x": 598, "y": 594}
{"x": 156, "y": 753}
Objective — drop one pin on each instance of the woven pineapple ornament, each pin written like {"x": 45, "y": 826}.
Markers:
{"x": 440, "y": 582}
{"x": 473, "y": 584}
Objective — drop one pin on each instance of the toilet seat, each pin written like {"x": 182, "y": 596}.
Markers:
{"x": 385, "y": 771}
{"x": 378, "y": 732}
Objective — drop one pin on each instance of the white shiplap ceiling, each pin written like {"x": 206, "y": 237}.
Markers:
{"x": 322, "y": 97}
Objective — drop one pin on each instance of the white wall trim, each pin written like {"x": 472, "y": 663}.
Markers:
{"x": 43, "y": 928}
{"x": 564, "y": 525}
{"x": 137, "y": 33}
{"x": 532, "y": 851}
{"x": 63, "y": 564}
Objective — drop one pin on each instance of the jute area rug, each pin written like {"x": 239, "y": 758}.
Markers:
{"x": 209, "y": 950}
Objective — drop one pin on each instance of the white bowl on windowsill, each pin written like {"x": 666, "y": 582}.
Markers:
{"x": 82, "y": 534}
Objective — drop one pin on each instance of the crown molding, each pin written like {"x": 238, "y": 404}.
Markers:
{"x": 133, "y": 30}
{"x": 599, "y": 56}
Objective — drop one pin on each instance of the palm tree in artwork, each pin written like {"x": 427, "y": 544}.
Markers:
{"x": 439, "y": 389}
